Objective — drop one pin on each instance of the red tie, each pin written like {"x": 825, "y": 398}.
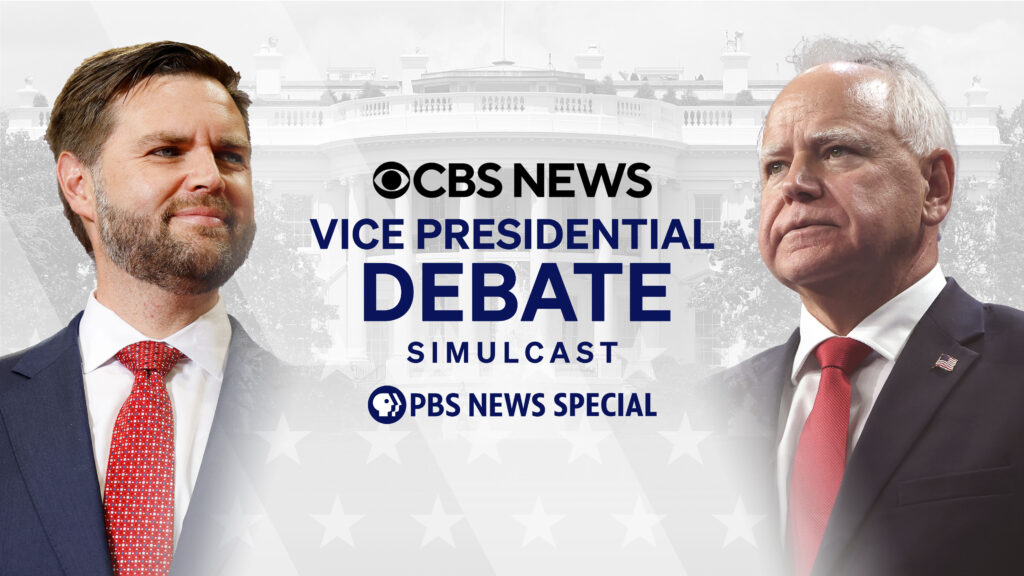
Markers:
{"x": 139, "y": 493}
{"x": 821, "y": 454}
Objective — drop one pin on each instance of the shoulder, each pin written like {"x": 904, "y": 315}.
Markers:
{"x": 753, "y": 369}
{"x": 995, "y": 329}
{"x": 1004, "y": 319}
{"x": 1004, "y": 332}
{"x": 244, "y": 349}
{"x": 28, "y": 362}
{"x": 746, "y": 396}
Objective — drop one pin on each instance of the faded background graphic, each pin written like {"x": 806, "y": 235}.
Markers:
{"x": 340, "y": 88}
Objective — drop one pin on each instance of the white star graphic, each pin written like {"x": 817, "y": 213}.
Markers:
{"x": 438, "y": 524}
{"x": 639, "y": 358}
{"x": 484, "y": 440}
{"x": 237, "y": 524}
{"x": 739, "y": 524}
{"x": 639, "y": 524}
{"x": 282, "y": 441}
{"x": 337, "y": 524}
{"x": 383, "y": 441}
{"x": 538, "y": 524}
{"x": 685, "y": 441}
{"x": 585, "y": 440}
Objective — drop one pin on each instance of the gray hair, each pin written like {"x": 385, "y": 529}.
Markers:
{"x": 918, "y": 114}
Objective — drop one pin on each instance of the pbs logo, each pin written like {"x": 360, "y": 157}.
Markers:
{"x": 391, "y": 180}
{"x": 386, "y": 405}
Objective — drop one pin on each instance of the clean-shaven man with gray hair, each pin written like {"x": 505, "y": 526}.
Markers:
{"x": 893, "y": 411}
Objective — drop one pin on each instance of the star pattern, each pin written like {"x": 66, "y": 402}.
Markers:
{"x": 739, "y": 524}
{"x": 483, "y": 441}
{"x": 639, "y": 524}
{"x": 383, "y": 442}
{"x": 585, "y": 441}
{"x": 685, "y": 441}
{"x": 337, "y": 525}
{"x": 538, "y": 524}
{"x": 283, "y": 441}
{"x": 438, "y": 524}
{"x": 639, "y": 358}
{"x": 237, "y": 524}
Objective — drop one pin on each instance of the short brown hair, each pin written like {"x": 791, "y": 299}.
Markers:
{"x": 81, "y": 119}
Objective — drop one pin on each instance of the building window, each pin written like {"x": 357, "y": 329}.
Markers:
{"x": 295, "y": 219}
{"x": 706, "y": 329}
{"x": 708, "y": 208}
{"x": 378, "y": 342}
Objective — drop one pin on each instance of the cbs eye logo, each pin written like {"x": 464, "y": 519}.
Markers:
{"x": 386, "y": 405}
{"x": 391, "y": 180}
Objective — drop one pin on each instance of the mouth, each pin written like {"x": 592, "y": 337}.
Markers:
{"x": 202, "y": 216}
{"x": 803, "y": 227}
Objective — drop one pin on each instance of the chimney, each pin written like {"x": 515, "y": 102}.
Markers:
{"x": 268, "y": 70}
{"x": 413, "y": 66}
{"x": 590, "y": 63}
{"x": 976, "y": 95}
{"x": 734, "y": 65}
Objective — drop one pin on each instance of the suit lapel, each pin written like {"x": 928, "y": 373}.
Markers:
{"x": 775, "y": 373}
{"x": 913, "y": 392}
{"x": 201, "y": 548}
{"x": 747, "y": 399}
{"x": 48, "y": 426}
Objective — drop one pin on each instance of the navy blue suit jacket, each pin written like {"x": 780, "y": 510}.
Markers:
{"x": 51, "y": 513}
{"x": 935, "y": 484}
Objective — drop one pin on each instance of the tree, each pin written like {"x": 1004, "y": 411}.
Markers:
{"x": 645, "y": 91}
{"x": 744, "y": 98}
{"x": 328, "y": 97}
{"x": 670, "y": 96}
{"x": 370, "y": 91}
{"x": 689, "y": 98}
{"x": 1008, "y": 214}
{"x": 756, "y": 310}
{"x": 277, "y": 291}
{"x": 605, "y": 86}
{"x": 30, "y": 203}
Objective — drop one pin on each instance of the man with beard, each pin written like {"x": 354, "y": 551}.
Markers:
{"x": 107, "y": 429}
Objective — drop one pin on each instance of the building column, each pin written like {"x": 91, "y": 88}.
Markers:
{"x": 605, "y": 331}
{"x": 356, "y": 334}
{"x": 409, "y": 326}
{"x": 649, "y": 210}
{"x": 469, "y": 331}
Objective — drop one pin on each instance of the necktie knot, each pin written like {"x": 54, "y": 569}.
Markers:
{"x": 149, "y": 355}
{"x": 843, "y": 353}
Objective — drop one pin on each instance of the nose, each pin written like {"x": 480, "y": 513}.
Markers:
{"x": 801, "y": 184}
{"x": 203, "y": 172}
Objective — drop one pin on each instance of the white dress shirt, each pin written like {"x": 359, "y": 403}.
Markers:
{"x": 193, "y": 384}
{"x": 886, "y": 331}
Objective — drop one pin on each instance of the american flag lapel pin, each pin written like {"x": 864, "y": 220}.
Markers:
{"x": 946, "y": 362}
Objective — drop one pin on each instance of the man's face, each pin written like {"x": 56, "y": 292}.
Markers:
{"x": 841, "y": 194}
{"x": 174, "y": 187}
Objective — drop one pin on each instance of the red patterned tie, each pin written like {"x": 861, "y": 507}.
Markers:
{"x": 139, "y": 493}
{"x": 821, "y": 454}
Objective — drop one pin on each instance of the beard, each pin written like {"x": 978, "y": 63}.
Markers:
{"x": 147, "y": 249}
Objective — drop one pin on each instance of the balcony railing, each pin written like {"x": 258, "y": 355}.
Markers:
{"x": 502, "y": 112}
{"x": 531, "y": 112}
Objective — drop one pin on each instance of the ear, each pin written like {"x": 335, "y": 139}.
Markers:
{"x": 938, "y": 171}
{"x": 77, "y": 185}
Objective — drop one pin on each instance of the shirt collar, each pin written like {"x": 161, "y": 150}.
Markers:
{"x": 886, "y": 330}
{"x": 102, "y": 333}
